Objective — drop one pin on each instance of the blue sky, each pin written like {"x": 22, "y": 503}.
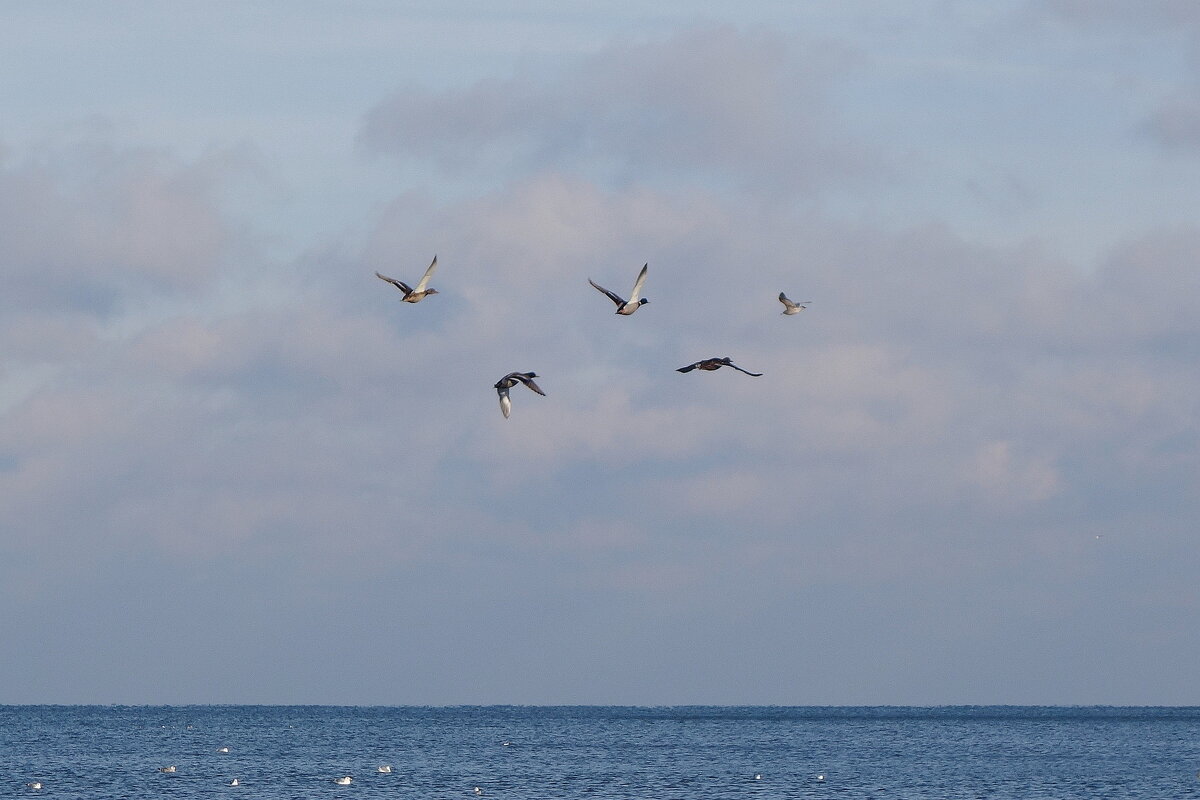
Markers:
{"x": 233, "y": 468}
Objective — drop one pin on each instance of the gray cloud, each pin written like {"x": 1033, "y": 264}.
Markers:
{"x": 86, "y": 226}
{"x": 709, "y": 104}
{"x": 950, "y": 416}
{"x": 282, "y": 455}
{"x": 1160, "y": 24}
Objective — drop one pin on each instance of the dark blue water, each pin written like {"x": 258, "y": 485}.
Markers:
{"x": 692, "y": 753}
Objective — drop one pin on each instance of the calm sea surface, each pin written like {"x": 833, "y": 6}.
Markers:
{"x": 690, "y": 753}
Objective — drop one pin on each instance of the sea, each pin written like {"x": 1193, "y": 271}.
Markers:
{"x": 668, "y": 753}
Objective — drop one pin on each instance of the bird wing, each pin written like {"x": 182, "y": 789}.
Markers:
{"x": 529, "y": 382}
{"x": 637, "y": 285}
{"x": 611, "y": 296}
{"x": 786, "y": 303}
{"x": 689, "y": 367}
{"x": 425, "y": 278}
{"x": 505, "y": 403}
{"x": 401, "y": 285}
{"x": 739, "y": 369}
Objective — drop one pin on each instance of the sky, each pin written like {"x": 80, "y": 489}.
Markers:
{"x": 234, "y": 468}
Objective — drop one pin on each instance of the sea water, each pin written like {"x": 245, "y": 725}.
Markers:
{"x": 689, "y": 753}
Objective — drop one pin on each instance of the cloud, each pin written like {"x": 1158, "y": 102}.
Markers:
{"x": 1174, "y": 122}
{"x": 934, "y": 446}
{"x": 711, "y": 103}
{"x": 87, "y": 225}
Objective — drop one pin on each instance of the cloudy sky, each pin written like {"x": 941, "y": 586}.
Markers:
{"x": 235, "y": 469}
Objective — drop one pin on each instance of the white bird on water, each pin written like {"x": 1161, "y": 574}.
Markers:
{"x": 169, "y": 769}
{"x": 477, "y": 790}
{"x": 34, "y": 784}
{"x": 235, "y": 782}
{"x": 384, "y": 769}
{"x": 345, "y": 780}
{"x": 222, "y": 749}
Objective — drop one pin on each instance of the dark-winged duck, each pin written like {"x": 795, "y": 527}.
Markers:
{"x": 710, "y": 364}
{"x": 413, "y": 294}
{"x": 789, "y": 307}
{"x": 635, "y": 301}
{"x": 510, "y": 380}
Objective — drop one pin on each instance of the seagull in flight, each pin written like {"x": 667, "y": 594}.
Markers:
{"x": 710, "y": 364}
{"x": 413, "y": 294}
{"x": 509, "y": 381}
{"x": 635, "y": 301}
{"x": 789, "y": 307}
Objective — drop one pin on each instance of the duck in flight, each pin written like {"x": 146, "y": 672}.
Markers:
{"x": 635, "y": 301}
{"x": 710, "y": 364}
{"x": 413, "y": 294}
{"x": 509, "y": 381}
{"x": 789, "y": 307}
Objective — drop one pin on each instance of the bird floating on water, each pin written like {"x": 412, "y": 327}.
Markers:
{"x": 34, "y": 784}
{"x": 345, "y": 780}
{"x": 222, "y": 749}
{"x": 413, "y": 294}
{"x": 510, "y": 380}
{"x": 710, "y": 364}
{"x": 235, "y": 782}
{"x": 167, "y": 769}
{"x": 384, "y": 769}
{"x": 635, "y": 301}
{"x": 789, "y": 307}
{"x": 477, "y": 790}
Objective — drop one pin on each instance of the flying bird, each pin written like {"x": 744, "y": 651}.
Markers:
{"x": 710, "y": 364}
{"x": 419, "y": 292}
{"x": 789, "y": 307}
{"x": 509, "y": 381}
{"x": 635, "y": 301}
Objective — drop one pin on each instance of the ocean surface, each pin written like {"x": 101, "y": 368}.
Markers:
{"x": 517, "y": 752}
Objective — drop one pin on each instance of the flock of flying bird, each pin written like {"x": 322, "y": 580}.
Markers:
{"x": 415, "y": 294}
